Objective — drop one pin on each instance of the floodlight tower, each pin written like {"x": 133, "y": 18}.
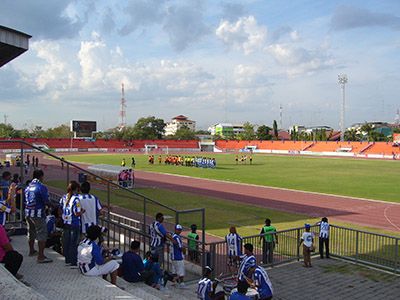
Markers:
{"x": 280, "y": 116}
{"x": 122, "y": 112}
{"x": 342, "y": 79}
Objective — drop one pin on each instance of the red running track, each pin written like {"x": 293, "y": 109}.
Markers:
{"x": 377, "y": 214}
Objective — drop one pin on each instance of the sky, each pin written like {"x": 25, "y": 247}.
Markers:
{"x": 213, "y": 61}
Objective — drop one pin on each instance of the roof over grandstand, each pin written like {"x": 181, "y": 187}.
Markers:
{"x": 12, "y": 44}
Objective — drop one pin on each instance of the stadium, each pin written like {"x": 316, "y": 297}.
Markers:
{"x": 221, "y": 186}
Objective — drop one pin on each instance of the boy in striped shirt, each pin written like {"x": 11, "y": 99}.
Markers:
{"x": 178, "y": 266}
{"x": 92, "y": 206}
{"x": 258, "y": 278}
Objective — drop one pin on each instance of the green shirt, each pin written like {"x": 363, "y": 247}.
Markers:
{"x": 192, "y": 245}
{"x": 269, "y": 237}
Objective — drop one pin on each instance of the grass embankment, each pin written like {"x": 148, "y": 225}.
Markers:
{"x": 220, "y": 213}
{"x": 373, "y": 179}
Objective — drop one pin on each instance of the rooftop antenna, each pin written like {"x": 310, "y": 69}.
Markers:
{"x": 342, "y": 80}
{"x": 122, "y": 112}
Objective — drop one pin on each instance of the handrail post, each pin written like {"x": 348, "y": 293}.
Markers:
{"x": 396, "y": 259}
{"x": 67, "y": 173}
{"x": 297, "y": 244}
{"x": 176, "y": 217}
{"x": 357, "y": 240}
{"x": 108, "y": 214}
{"x": 144, "y": 221}
{"x": 21, "y": 165}
{"x": 203, "y": 237}
{"x": 212, "y": 258}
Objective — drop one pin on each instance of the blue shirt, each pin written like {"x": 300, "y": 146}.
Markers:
{"x": 246, "y": 263}
{"x": 204, "y": 289}
{"x": 132, "y": 266}
{"x": 4, "y": 209}
{"x": 4, "y": 185}
{"x": 70, "y": 209}
{"x": 157, "y": 233}
{"x": 262, "y": 282}
{"x": 36, "y": 198}
{"x": 176, "y": 248}
{"x": 51, "y": 224}
{"x": 237, "y": 296}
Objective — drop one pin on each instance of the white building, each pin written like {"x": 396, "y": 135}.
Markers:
{"x": 177, "y": 123}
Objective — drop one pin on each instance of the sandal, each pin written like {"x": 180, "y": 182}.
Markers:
{"x": 45, "y": 260}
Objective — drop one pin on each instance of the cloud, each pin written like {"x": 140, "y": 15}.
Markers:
{"x": 298, "y": 60}
{"x": 44, "y": 19}
{"x": 142, "y": 13}
{"x": 184, "y": 25}
{"x": 245, "y": 34}
{"x": 232, "y": 11}
{"x": 283, "y": 31}
{"x": 348, "y": 17}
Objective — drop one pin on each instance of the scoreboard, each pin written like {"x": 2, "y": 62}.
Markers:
{"x": 83, "y": 128}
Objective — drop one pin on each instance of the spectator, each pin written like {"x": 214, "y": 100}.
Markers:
{"x": 53, "y": 235}
{"x": 132, "y": 265}
{"x": 36, "y": 200}
{"x": 11, "y": 259}
{"x": 234, "y": 248}
{"x": 247, "y": 261}
{"x": 270, "y": 239}
{"x": 92, "y": 206}
{"x": 260, "y": 281}
{"x": 158, "y": 236}
{"x": 5, "y": 209}
{"x": 307, "y": 239}
{"x": 206, "y": 287}
{"x": 153, "y": 267}
{"x": 5, "y": 184}
{"x": 91, "y": 262}
{"x": 193, "y": 247}
{"x": 71, "y": 212}
{"x": 178, "y": 266}
{"x": 241, "y": 292}
{"x": 323, "y": 237}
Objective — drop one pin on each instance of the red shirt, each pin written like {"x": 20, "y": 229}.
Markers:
{"x": 3, "y": 241}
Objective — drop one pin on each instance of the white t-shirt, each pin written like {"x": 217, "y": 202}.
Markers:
{"x": 307, "y": 238}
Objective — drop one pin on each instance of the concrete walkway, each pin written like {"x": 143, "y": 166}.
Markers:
{"x": 332, "y": 279}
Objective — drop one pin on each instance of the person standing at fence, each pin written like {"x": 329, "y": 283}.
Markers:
{"x": 308, "y": 245}
{"x": 323, "y": 237}
{"x": 91, "y": 205}
{"x": 193, "y": 247}
{"x": 177, "y": 257}
{"x": 36, "y": 200}
{"x": 269, "y": 240}
{"x": 158, "y": 235}
{"x": 247, "y": 262}
{"x": 234, "y": 249}
{"x": 260, "y": 281}
{"x": 71, "y": 212}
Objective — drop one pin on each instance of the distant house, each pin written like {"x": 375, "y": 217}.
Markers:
{"x": 178, "y": 122}
{"x": 226, "y": 130}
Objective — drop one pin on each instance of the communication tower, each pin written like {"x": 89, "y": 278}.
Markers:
{"x": 122, "y": 112}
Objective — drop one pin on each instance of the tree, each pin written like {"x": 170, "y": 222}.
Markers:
{"x": 366, "y": 130}
{"x": 352, "y": 135}
{"x": 184, "y": 133}
{"x": 248, "y": 132}
{"x": 148, "y": 128}
{"x": 275, "y": 127}
{"x": 62, "y": 131}
{"x": 263, "y": 133}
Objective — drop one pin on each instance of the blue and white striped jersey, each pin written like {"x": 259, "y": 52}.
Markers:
{"x": 70, "y": 209}
{"x": 234, "y": 244}
{"x": 36, "y": 199}
{"x": 204, "y": 288}
{"x": 157, "y": 233}
{"x": 324, "y": 230}
{"x": 4, "y": 210}
{"x": 176, "y": 249}
{"x": 92, "y": 206}
{"x": 246, "y": 263}
{"x": 263, "y": 283}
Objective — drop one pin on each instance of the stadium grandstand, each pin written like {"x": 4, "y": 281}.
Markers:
{"x": 326, "y": 148}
